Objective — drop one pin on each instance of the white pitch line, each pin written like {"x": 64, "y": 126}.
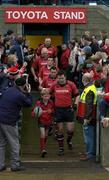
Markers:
{"x": 54, "y": 161}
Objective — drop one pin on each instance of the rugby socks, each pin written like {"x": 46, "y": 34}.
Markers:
{"x": 69, "y": 139}
{"x": 69, "y": 136}
{"x": 56, "y": 131}
{"x": 60, "y": 139}
{"x": 45, "y": 140}
{"x": 42, "y": 144}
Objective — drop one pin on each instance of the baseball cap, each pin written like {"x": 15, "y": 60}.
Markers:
{"x": 20, "y": 81}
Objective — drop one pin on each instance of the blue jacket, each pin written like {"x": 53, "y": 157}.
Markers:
{"x": 20, "y": 55}
{"x": 11, "y": 102}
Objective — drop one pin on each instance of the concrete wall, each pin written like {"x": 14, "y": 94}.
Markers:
{"x": 17, "y": 28}
{"x": 97, "y": 20}
{"x": 105, "y": 146}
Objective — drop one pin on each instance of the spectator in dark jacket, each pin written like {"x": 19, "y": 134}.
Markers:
{"x": 17, "y": 48}
{"x": 94, "y": 45}
{"x": 11, "y": 102}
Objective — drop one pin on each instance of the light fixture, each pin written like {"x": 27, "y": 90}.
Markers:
{"x": 92, "y": 3}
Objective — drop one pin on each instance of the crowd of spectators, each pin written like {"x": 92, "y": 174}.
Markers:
{"x": 68, "y": 77}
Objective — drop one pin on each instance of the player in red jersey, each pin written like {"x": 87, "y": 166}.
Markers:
{"x": 63, "y": 91}
{"x": 47, "y": 83}
{"x": 52, "y": 50}
{"x": 38, "y": 63}
{"x": 50, "y": 80}
{"x": 45, "y": 70}
{"x": 64, "y": 60}
{"x": 44, "y": 118}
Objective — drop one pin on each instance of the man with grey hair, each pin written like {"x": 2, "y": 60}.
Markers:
{"x": 87, "y": 115}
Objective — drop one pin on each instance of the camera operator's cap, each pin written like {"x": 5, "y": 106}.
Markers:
{"x": 13, "y": 70}
{"x": 20, "y": 81}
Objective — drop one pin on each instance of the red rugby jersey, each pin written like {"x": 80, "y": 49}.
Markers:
{"x": 63, "y": 94}
{"x": 52, "y": 51}
{"x": 39, "y": 62}
{"x": 46, "y": 117}
{"x": 65, "y": 58}
{"x": 44, "y": 72}
{"x": 48, "y": 82}
{"x": 107, "y": 89}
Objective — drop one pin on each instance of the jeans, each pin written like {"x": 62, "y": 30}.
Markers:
{"x": 9, "y": 134}
{"x": 89, "y": 138}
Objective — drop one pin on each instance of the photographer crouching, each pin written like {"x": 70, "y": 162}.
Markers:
{"x": 11, "y": 102}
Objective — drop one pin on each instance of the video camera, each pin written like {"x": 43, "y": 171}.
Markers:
{"x": 28, "y": 58}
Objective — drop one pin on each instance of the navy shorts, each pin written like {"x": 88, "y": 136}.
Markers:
{"x": 64, "y": 114}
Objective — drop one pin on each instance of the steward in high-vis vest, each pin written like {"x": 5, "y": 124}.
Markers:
{"x": 87, "y": 104}
{"x": 87, "y": 113}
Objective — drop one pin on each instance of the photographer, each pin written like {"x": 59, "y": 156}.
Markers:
{"x": 11, "y": 102}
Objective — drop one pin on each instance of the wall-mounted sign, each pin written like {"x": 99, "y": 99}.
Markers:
{"x": 45, "y": 15}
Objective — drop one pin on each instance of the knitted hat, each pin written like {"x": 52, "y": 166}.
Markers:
{"x": 20, "y": 81}
{"x": 13, "y": 70}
